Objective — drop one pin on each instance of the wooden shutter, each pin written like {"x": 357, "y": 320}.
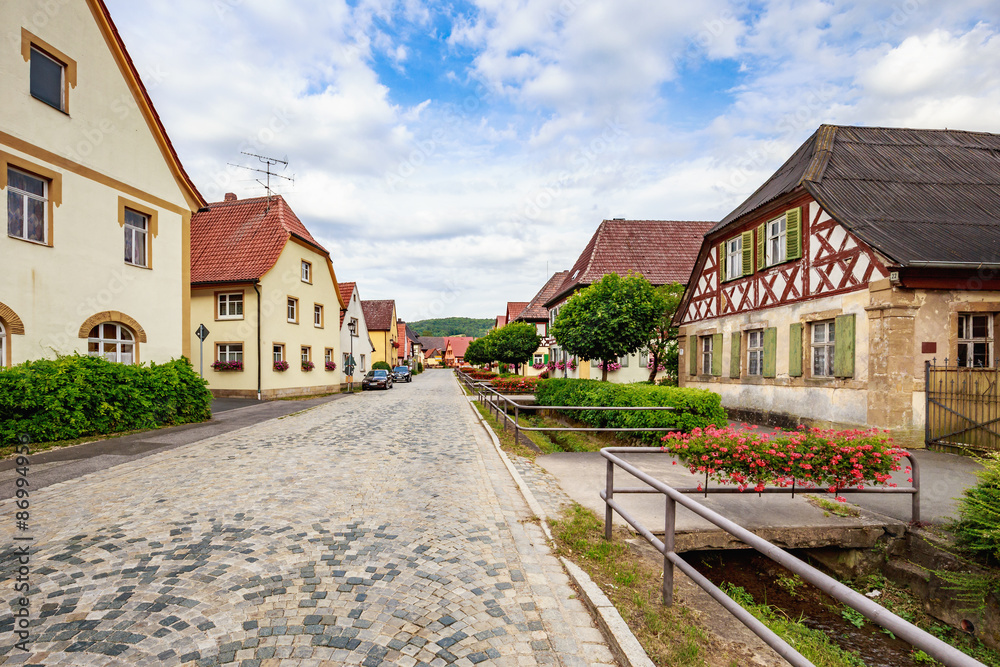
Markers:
{"x": 722, "y": 262}
{"x": 693, "y": 353}
{"x": 761, "y": 240}
{"x": 717, "y": 354}
{"x": 795, "y": 350}
{"x": 747, "y": 239}
{"x": 770, "y": 351}
{"x": 843, "y": 348}
{"x": 793, "y": 228}
{"x": 546, "y": 358}
{"x": 735, "y": 355}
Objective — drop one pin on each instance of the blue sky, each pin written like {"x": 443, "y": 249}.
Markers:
{"x": 447, "y": 152}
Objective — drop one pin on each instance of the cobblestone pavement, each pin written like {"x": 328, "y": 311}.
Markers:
{"x": 379, "y": 530}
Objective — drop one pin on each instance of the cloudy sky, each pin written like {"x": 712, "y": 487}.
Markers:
{"x": 452, "y": 154}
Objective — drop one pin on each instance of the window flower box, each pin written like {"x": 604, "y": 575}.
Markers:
{"x": 281, "y": 366}
{"x": 331, "y": 365}
{"x": 307, "y": 366}
{"x": 227, "y": 366}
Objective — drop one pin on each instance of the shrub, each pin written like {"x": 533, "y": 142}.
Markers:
{"x": 693, "y": 408}
{"x": 75, "y": 396}
{"x": 515, "y": 384}
{"x": 281, "y": 366}
{"x": 331, "y": 365}
{"x": 308, "y": 366}
{"x": 420, "y": 368}
{"x": 978, "y": 526}
{"x": 482, "y": 375}
{"x": 381, "y": 365}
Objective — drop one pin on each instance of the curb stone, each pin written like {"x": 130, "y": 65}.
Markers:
{"x": 622, "y": 642}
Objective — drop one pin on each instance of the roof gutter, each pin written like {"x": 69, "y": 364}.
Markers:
{"x": 952, "y": 265}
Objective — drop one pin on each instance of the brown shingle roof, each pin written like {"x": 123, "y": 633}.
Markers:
{"x": 917, "y": 196}
{"x": 663, "y": 251}
{"x": 241, "y": 239}
{"x": 378, "y": 314}
{"x": 536, "y": 310}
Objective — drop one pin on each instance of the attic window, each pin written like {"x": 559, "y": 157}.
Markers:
{"x": 51, "y": 73}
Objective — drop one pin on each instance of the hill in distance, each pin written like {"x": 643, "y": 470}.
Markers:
{"x": 452, "y": 326}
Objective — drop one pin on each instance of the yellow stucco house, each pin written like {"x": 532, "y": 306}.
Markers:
{"x": 97, "y": 204}
{"x": 380, "y": 315}
{"x": 266, "y": 291}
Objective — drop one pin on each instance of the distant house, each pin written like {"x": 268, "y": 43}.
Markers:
{"x": 537, "y": 314}
{"x": 662, "y": 251}
{"x": 869, "y": 252}
{"x": 450, "y": 350}
{"x": 380, "y": 315}
{"x": 500, "y": 322}
{"x": 514, "y": 309}
{"x": 354, "y": 338}
{"x": 266, "y": 291}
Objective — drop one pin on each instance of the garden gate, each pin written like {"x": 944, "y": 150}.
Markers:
{"x": 963, "y": 408}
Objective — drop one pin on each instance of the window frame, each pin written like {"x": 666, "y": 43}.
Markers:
{"x": 305, "y": 353}
{"x": 4, "y": 346}
{"x": 129, "y": 226}
{"x": 734, "y": 258}
{"x": 362, "y": 369}
{"x": 101, "y": 340}
{"x": 966, "y": 323}
{"x": 25, "y": 196}
{"x": 292, "y": 310}
{"x": 31, "y": 42}
{"x": 229, "y": 345}
{"x": 780, "y": 237}
{"x": 705, "y": 352}
{"x": 277, "y": 352}
{"x": 755, "y": 353}
{"x": 318, "y": 316}
{"x": 228, "y": 295}
{"x": 828, "y": 346}
{"x": 328, "y": 355}
{"x": 306, "y": 272}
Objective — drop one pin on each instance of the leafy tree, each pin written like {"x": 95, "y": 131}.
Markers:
{"x": 663, "y": 345}
{"x": 514, "y": 343}
{"x": 381, "y": 365}
{"x": 477, "y": 353}
{"x": 613, "y": 317}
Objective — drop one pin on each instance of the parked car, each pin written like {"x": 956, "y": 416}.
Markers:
{"x": 402, "y": 374}
{"x": 379, "y": 379}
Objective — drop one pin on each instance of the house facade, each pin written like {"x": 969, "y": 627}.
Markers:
{"x": 662, "y": 251}
{"x": 97, "y": 205}
{"x": 380, "y": 315}
{"x": 266, "y": 291}
{"x": 537, "y": 314}
{"x": 354, "y": 337}
{"x": 869, "y": 252}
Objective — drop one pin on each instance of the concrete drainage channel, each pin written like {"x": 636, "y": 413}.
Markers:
{"x": 621, "y": 641}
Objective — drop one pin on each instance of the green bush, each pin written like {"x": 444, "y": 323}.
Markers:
{"x": 692, "y": 407}
{"x": 381, "y": 365}
{"x": 420, "y": 368}
{"x": 75, "y": 396}
{"x": 978, "y": 526}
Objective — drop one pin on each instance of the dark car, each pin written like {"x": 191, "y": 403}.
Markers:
{"x": 402, "y": 374}
{"x": 380, "y": 379}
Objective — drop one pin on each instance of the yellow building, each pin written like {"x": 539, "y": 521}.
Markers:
{"x": 266, "y": 291}
{"x": 380, "y": 315}
{"x": 97, "y": 205}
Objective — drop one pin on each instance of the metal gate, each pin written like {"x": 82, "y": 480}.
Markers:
{"x": 963, "y": 408}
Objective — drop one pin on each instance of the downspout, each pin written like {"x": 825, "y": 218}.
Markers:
{"x": 255, "y": 289}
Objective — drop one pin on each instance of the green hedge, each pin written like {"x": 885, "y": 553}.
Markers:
{"x": 693, "y": 407}
{"x": 381, "y": 366}
{"x": 76, "y": 396}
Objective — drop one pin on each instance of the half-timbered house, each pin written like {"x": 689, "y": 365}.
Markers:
{"x": 869, "y": 252}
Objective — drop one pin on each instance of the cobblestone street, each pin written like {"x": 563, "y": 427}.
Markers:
{"x": 378, "y": 529}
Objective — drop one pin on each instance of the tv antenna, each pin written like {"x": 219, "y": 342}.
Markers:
{"x": 268, "y": 163}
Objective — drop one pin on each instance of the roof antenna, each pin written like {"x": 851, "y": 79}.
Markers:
{"x": 268, "y": 163}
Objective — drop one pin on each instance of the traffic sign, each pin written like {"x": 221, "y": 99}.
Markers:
{"x": 202, "y": 332}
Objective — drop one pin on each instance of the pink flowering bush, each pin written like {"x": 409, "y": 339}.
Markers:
{"x": 808, "y": 457}
{"x": 539, "y": 366}
{"x": 227, "y": 365}
{"x": 281, "y": 366}
{"x": 612, "y": 366}
{"x": 560, "y": 365}
{"x": 308, "y": 366}
{"x": 331, "y": 365}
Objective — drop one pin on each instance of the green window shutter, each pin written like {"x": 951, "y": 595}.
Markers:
{"x": 546, "y": 358}
{"x": 747, "y": 253}
{"x": 693, "y": 354}
{"x": 843, "y": 349}
{"x": 770, "y": 351}
{"x": 722, "y": 262}
{"x": 795, "y": 350}
{"x": 793, "y": 227}
{"x": 734, "y": 355}
{"x": 717, "y": 354}
{"x": 761, "y": 238}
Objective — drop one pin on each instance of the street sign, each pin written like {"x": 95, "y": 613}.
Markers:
{"x": 202, "y": 332}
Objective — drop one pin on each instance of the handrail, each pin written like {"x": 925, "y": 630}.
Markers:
{"x": 922, "y": 640}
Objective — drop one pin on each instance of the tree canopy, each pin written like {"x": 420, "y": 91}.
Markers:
{"x": 663, "y": 344}
{"x": 512, "y": 344}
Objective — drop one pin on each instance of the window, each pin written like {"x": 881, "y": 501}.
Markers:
{"x": 328, "y": 355}
{"x": 231, "y": 306}
{"x": 734, "y": 258}
{"x": 975, "y": 340}
{"x": 362, "y": 363}
{"x": 624, "y": 361}
{"x": 540, "y": 328}
{"x": 755, "y": 352}
{"x": 306, "y": 354}
{"x": 318, "y": 315}
{"x": 354, "y": 327}
{"x": 113, "y": 342}
{"x": 136, "y": 227}
{"x": 27, "y": 201}
{"x": 230, "y": 351}
{"x": 47, "y": 79}
{"x": 823, "y": 343}
{"x": 278, "y": 350}
{"x": 706, "y": 355}
{"x": 539, "y": 359}
{"x": 3, "y": 346}
{"x": 306, "y": 272}
{"x": 777, "y": 240}
{"x": 293, "y": 310}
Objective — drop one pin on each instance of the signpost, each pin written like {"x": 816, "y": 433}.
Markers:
{"x": 202, "y": 334}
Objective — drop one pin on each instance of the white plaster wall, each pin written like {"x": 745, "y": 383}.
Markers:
{"x": 360, "y": 342}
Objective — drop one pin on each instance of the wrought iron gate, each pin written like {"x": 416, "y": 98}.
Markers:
{"x": 963, "y": 408}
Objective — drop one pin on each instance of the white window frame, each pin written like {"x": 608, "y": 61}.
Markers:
{"x": 25, "y": 196}
{"x": 306, "y": 272}
{"x": 318, "y": 315}
{"x": 823, "y": 346}
{"x": 538, "y": 359}
{"x": 229, "y": 352}
{"x": 706, "y": 344}
{"x": 62, "y": 79}
{"x": 755, "y": 352}
{"x": 139, "y": 237}
{"x": 357, "y": 328}
{"x": 125, "y": 342}
{"x": 327, "y": 355}
{"x": 734, "y": 258}
{"x": 293, "y": 310}
{"x": 306, "y": 353}
{"x": 3, "y": 346}
{"x": 967, "y": 340}
{"x": 278, "y": 352}
{"x": 362, "y": 363}
{"x": 228, "y": 302}
{"x": 776, "y": 240}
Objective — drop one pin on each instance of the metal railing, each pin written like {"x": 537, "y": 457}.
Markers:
{"x": 924, "y": 641}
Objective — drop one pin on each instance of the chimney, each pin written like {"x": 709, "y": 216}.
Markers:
{"x": 230, "y": 196}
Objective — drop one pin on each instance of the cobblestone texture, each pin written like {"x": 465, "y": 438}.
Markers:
{"x": 378, "y": 530}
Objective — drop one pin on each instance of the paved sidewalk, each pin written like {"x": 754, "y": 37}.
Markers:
{"x": 378, "y": 530}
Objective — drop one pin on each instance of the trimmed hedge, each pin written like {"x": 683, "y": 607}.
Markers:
{"x": 76, "y": 396}
{"x": 694, "y": 408}
{"x": 381, "y": 366}
{"x": 515, "y": 384}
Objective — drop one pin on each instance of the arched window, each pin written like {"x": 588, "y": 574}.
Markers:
{"x": 112, "y": 341}
{"x": 3, "y": 346}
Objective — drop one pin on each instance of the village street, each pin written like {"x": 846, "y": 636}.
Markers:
{"x": 378, "y": 529}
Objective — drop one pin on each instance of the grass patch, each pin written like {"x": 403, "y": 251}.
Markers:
{"x": 566, "y": 441}
{"x": 833, "y": 507}
{"x": 507, "y": 442}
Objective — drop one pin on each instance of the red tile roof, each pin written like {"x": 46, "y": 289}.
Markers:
{"x": 514, "y": 309}
{"x": 459, "y": 344}
{"x": 378, "y": 314}
{"x": 536, "y": 309}
{"x": 241, "y": 239}
{"x": 500, "y": 321}
{"x": 663, "y": 251}
{"x": 346, "y": 290}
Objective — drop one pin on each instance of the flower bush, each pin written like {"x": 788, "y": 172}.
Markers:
{"x": 571, "y": 364}
{"x": 482, "y": 375}
{"x": 560, "y": 365}
{"x": 331, "y": 365}
{"x": 659, "y": 367}
{"x": 539, "y": 366}
{"x": 551, "y": 365}
{"x": 308, "y": 366}
{"x": 808, "y": 457}
{"x": 515, "y": 385}
{"x": 612, "y": 366}
{"x": 227, "y": 365}
{"x": 281, "y": 366}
